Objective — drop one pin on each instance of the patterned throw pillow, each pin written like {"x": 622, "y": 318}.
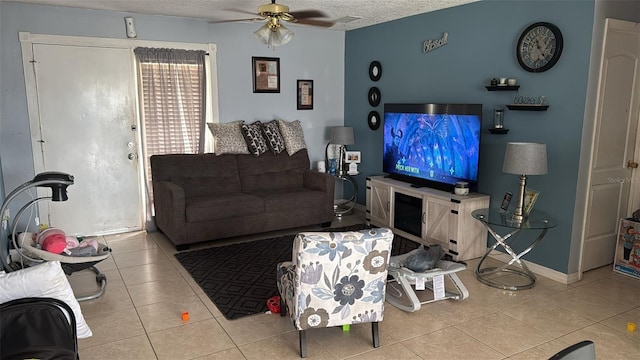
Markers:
{"x": 228, "y": 138}
{"x": 293, "y": 136}
{"x": 255, "y": 140}
{"x": 275, "y": 142}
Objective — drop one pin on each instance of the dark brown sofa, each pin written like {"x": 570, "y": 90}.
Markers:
{"x": 206, "y": 197}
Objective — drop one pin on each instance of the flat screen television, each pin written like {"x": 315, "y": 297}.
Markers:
{"x": 434, "y": 145}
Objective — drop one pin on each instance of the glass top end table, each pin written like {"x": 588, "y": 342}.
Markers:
{"x": 514, "y": 275}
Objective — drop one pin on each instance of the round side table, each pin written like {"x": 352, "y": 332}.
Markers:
{"x": 506, "y": 277}
{"x": 345, "y": 207}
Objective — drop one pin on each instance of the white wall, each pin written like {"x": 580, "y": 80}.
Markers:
{"x": 315, "y": 54}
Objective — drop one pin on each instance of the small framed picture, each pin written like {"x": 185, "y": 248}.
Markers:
{"x": 530, "y": 197}
{"x": 266, "y": 74}
{"x": 352, "y": 157}
{"x": 305, "y": 94}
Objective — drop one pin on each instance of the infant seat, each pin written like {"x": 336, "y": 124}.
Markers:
{"x": 408, "y": 289}
{"x": 71, "y": 264}
{"x": 58, "y": 183}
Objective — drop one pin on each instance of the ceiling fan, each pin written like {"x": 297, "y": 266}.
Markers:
{"x": 274, "y": 33}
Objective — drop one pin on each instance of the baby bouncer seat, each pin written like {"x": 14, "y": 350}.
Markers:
{"x": 408, "y": 289}
{"x": 25, "y": 244}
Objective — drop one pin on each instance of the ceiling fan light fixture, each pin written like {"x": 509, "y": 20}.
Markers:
{"x": 263, "y": 34}
{"x": 273, "y": 34}
{"x": 283, "y": 35}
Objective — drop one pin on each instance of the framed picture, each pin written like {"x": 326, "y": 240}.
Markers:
{"x": 305, "y": 94}
{"x": 352, "y": 157}
{"x": 266, "y": 74}
{"x": 530, "y": 197}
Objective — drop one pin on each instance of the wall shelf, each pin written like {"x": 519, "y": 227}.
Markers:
{"x": 502, "y": 87}
{"x": 527, "y": 107}
{"x": 499, "y": 131}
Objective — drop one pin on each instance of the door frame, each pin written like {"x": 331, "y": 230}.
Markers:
{"x": 27, "y": 40}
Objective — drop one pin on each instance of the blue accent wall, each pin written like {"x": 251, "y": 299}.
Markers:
{"x": 481, "y": 45}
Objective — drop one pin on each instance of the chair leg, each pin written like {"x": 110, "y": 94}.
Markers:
{"x": 283, "y": 306}
{"x": 375, "y": 335}
{"x": 303, "y": 343}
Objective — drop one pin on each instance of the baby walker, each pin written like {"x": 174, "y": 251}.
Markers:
{"x": 408, "y": 289}
{"x": 27, "y": 244}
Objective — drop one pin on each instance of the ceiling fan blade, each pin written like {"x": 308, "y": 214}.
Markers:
{"x": 302, "y": 14}
{"x": 236, "y": 20}
{"x": 313, "y": 22}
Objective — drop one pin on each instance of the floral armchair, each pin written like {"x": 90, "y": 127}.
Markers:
{"x": 335, "y": 278}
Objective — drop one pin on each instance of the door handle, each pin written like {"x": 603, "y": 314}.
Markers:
{"x": 131, "y": 156}
{"x": 632, "y": 164}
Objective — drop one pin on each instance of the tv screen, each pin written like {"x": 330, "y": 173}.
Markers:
{"x": 434, "y": 145}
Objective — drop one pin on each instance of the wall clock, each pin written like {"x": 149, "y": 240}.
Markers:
{"x": 373, "y": 120}
{"x": 375, "y": 71}
{"x": 374, "y": 96}
{"x": 539, "y": 47}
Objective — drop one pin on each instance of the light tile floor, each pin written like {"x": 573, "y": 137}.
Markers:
{"x": 139, "y": 317}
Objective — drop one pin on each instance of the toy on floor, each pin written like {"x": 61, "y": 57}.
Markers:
{"x": 409, "y": 289}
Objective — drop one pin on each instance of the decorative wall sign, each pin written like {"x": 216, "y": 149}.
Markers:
{"x": 429, "y": 45}
{"x": 373, "y": 120}
{"x": 375, "y": 71}
{"x": 266, "y": 74}
{"x": 374, "y": 96}
{"x": 305, "y": 94}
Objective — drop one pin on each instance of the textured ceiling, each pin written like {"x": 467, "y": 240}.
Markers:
{"x": 365, "y": 12}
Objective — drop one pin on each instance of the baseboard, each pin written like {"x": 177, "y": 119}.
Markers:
{"x": 538, "y": 269}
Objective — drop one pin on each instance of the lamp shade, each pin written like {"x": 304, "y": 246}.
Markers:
{"x": 263, "y": 34}
{"x": 342, "y": 135}
{"x": 525, "y": 158}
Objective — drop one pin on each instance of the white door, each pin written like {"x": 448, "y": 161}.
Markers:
{"x": 614, "y": 151}
{"x": 87, "y": 128}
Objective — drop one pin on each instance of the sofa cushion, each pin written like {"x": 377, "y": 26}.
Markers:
{"x": 207, "y": 185}
{"x": 290, "y": 200}
{"x": 222, "y": 206}
{"x": 274, "y": 138}
{"x": 272, "y": 172}
{"x": 293, "y": 136}
{"x": 254, "y": 137}
{"x": 228, "y": 138}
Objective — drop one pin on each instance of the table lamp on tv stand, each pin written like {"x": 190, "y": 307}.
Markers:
{"x": 340, "y": 135}
{"x": 524, "y": 159}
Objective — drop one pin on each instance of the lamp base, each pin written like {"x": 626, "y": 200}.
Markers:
{"x": 518, "y": 214}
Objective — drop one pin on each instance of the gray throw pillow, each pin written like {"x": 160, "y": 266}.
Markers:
{"x": 293, "y": 136}
{"x": 274, "y": 138}
{"x": 255, "y": 140}
{"x": 228, "y": 138}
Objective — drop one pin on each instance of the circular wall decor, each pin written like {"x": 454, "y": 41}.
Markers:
{"x": 375, "y": 70}
{"x": 539, "y": 47}
{"x": 373, "y": 120}
{"x": 374, "y": 96}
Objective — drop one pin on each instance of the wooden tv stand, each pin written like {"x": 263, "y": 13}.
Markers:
{"x": 428, "y": 216}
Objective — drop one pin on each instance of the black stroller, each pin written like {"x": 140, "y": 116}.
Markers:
{"x": 37, "y": 328}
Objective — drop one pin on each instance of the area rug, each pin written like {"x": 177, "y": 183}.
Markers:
{"x": 239, "y": 278}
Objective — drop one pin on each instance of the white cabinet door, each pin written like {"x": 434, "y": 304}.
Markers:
{"x": 378, "y": 204}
